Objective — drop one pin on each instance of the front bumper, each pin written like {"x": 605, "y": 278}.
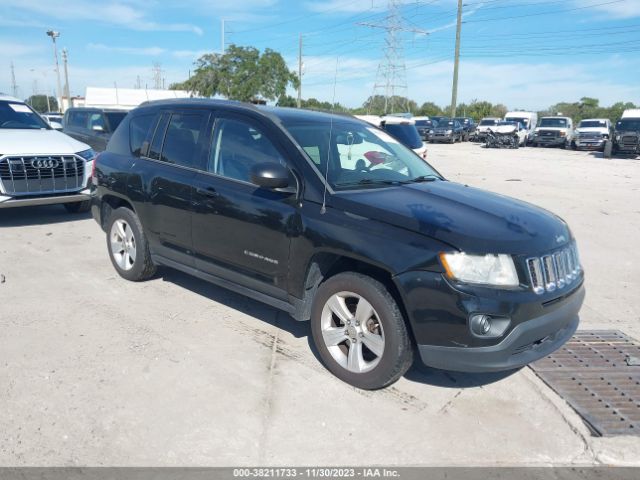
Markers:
{"x": 439, "y": 312}
{"x": 591, "y": 144}
{"x": 11, "y": 202}
{"x": 550, "y": 141}
{"x": 441, "y": 138}
{"x": 528, "y": 341}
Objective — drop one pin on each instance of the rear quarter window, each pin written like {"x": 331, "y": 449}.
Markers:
{"x": 139, "y": 128}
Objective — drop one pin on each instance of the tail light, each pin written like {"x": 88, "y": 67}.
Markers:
{"x": 94, "y": 178}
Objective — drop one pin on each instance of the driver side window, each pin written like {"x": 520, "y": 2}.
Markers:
{"x": 237, "y": 147}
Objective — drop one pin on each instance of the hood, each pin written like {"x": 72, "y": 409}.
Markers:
{"x": 467, "y": 218}
{"x": 504, "y": 129}
{"x": 38, "y": 142}
{"x": 592, "y": 130}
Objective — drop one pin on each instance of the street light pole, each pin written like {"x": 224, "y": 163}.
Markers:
{"x": 66, "y": 78}
{"x": 53, "y": 34}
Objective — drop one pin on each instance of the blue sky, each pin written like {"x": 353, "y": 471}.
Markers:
{"x": 525, "y": 54}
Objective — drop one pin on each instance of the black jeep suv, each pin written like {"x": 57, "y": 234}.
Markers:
{"x": 332, "y": 220}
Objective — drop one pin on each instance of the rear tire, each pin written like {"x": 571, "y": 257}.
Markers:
{"x": 78, "y": 207}
{"x": 360, "y": 332}
{"x": 128, "y": 247}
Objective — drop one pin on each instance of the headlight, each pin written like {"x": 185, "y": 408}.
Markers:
{"x": 449, "y": 132}
{"x": 490, "y": 269}
{"x": 430, "y": 132}
{"x": 88, "y": 155}
{"x": 563, "y": 134}
{"x": 617, "y": 138}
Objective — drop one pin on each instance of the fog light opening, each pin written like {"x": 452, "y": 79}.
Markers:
{"x": 481, "y": 324}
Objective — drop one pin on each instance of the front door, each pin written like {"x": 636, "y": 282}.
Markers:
{"x": 242, "y": 232}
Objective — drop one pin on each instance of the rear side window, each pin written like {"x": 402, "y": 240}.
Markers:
{"x": 97, "y": 120}
{"x": 139, "y": 128}
{"x": 181, "y": 145}
{"x": 78, "y": 119}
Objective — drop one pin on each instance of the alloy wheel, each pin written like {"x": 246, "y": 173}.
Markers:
{"x": 123, "y": 244}
{"x": 352, "y": 332}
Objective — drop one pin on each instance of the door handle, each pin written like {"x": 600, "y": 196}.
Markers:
{"x": 207, "y": 192}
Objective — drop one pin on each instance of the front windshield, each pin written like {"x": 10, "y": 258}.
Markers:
{"x": 554, "y": 122}
{"x": 523, "y": 121}
{"x": 14, "y": 115}
{"x": 513, "y": 124}
{"x": 359, "y": 155}
{"x": 629, "y": 125}
{"x": 406, "y": 133}
{"x": 592, "y": 124}
{"x": 489, "y": 122}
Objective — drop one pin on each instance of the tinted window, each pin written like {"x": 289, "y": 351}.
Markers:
{"x": 97, "y": 120}
{"x": 406, "y": 133}
{"x": 181, "y": 140}
{"x": 554, "y": 122}
{"x": 158, "y": 137}
{"x": 79, "y": 119}
{"x": 237, "y": 147}
{"x": 138, "y": 130}
{"x": 114, "y": 119}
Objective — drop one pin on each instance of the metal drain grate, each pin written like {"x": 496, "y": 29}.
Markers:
{"x": 598, "y": 373}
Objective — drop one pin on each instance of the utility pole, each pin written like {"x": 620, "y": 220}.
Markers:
{"x": 66, "y": 77}
{"x": 223, "y": 48}
{"x": 53, "y": 34}
{"x": 454, "y": 90}
{"x": 391, "y": 77}
{"x": 299, "y": 70}
{"x": 14, "y": 86}
{"x": 157, "y": 75}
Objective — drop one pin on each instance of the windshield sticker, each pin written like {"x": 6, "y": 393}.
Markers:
{"x": 385, "y": 137}
{"x": 18, "y": 107}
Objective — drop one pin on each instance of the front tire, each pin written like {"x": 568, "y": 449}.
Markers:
{"x": 360, "y": 332}
{"x": 128, "y": 247}
{"x": 78, "y": 207}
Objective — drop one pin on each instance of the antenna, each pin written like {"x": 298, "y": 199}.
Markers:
{"x": 323, "y": 209}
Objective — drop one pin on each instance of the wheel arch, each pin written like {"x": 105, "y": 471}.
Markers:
{"x": 324, "y": 265}
{"x": 109, "y": 203}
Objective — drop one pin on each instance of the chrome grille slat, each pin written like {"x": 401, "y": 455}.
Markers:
{"x": 554, "y": 271}
{"x": 19, "y": 176}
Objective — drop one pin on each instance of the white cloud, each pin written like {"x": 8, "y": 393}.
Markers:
{"x": 128, "y": 15}
{"x": 617, "y": 9}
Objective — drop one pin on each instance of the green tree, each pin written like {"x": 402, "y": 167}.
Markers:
{"x": 378, "y": 105}
{"x": 242, "y": 73}
{"x": 39, "y": 103}
{"x": 430, "y": 109}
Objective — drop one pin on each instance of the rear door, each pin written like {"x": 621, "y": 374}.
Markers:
{"x": 242, "y": 232}
{"x": 165, "y": 173}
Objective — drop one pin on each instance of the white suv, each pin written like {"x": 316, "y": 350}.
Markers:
{"x": 39, "y": 165}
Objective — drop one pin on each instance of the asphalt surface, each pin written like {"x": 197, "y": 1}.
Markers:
{"x": 96, "y": 370}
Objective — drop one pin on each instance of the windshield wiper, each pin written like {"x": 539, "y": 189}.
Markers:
{"x": 423, "y": 178}
{"x": 368, "y": 181}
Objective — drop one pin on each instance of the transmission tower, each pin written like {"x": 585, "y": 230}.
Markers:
{"x": 391, "y": 77}
{"x": 157, "y": 76}
{"x": 14, "y": 85}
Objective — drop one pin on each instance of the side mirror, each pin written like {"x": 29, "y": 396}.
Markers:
{"x": 270, "y": 175}
{"x": 97, "y": 128}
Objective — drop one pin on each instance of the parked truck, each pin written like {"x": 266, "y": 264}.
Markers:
{"x": 626, "y": 137}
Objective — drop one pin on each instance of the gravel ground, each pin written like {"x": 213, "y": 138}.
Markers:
{"x": 174, "y": 371}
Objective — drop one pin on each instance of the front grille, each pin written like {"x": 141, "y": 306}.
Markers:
{"x": 629, "y": 140}
{"x": 590, "y": 136}
{"x": 33, "y": 175}
{"x": 555, "y": 270}
{"x": 549, "y": 133}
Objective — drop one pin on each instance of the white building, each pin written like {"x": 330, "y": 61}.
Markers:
{"x": 127, "y": 98}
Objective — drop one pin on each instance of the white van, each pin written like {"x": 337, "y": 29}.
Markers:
{"x": 529, "y": 121}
